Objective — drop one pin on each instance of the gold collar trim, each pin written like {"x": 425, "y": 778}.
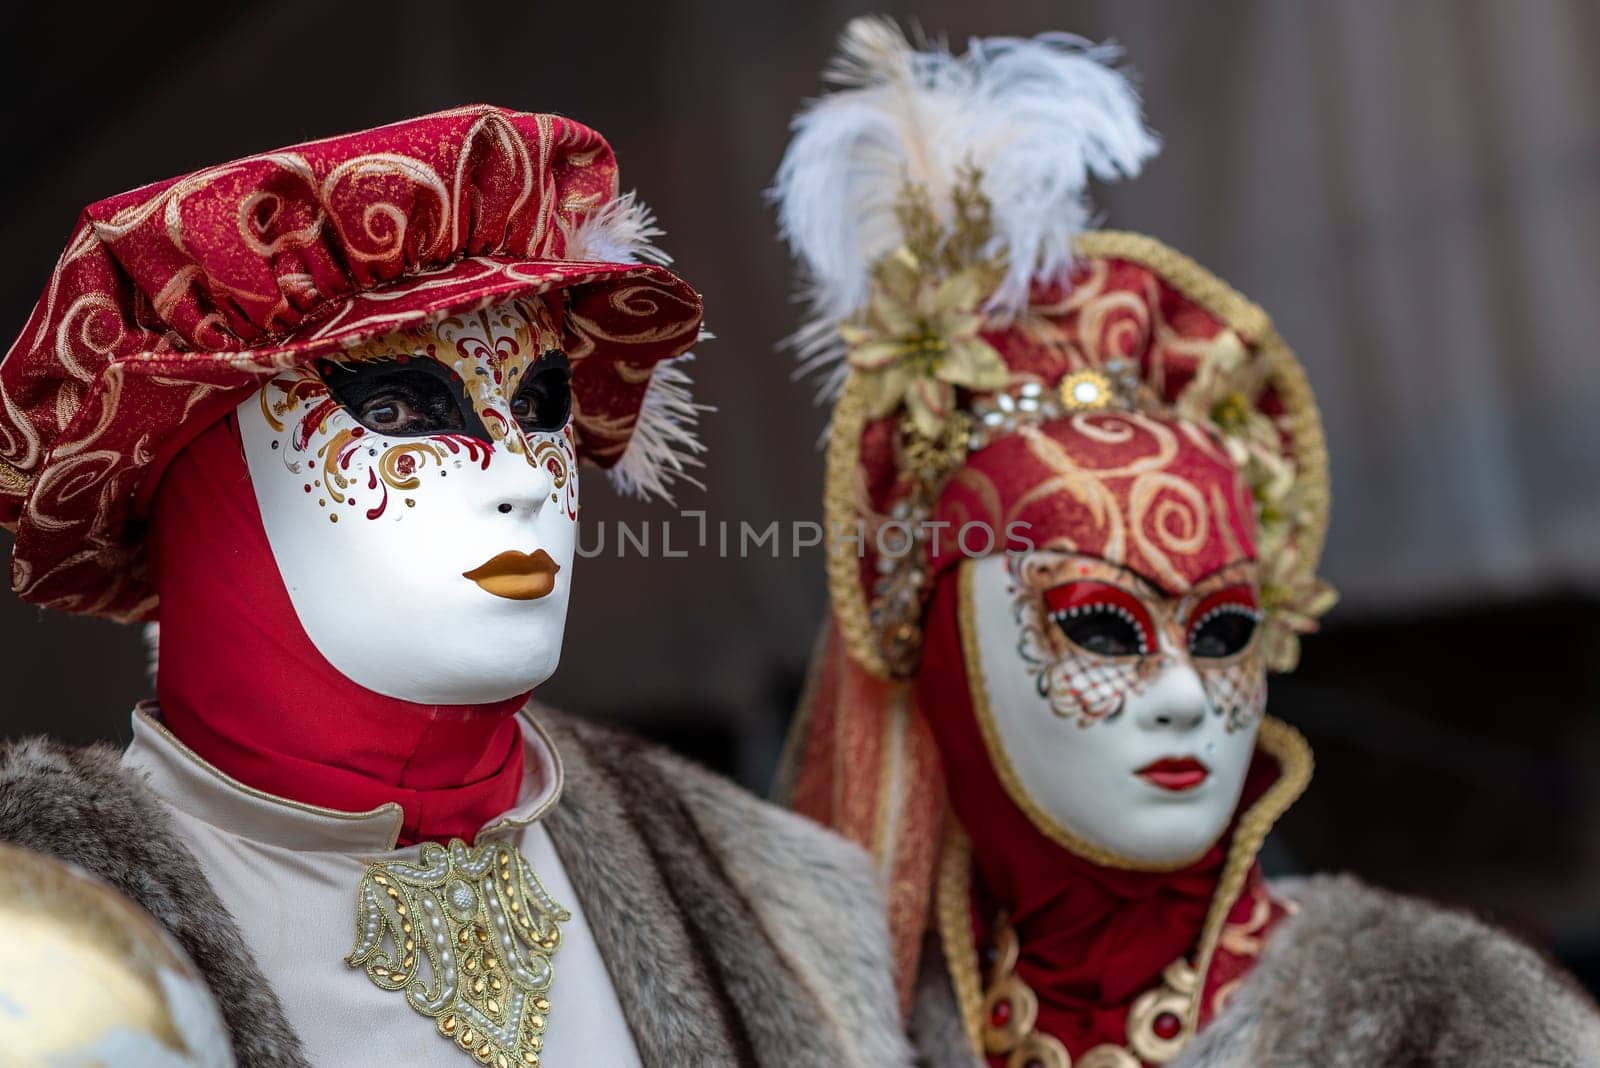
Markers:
{"x": 954, "y": 887}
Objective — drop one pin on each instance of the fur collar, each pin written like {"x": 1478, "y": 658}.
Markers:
{"x": 735, "y": 932}
{"x": 1357, "y": 977}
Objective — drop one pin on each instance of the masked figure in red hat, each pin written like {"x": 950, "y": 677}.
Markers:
{"x": 1076, "y": 491}
{"x": 321, "y": 412}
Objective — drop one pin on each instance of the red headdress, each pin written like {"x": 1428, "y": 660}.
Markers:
{"x": 174, "y": 301}
{"x": 1007, "y": 381}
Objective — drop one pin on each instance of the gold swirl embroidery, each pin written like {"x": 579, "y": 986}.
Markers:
{"x": 12, "y": 480}
{"x": 1168, "y": 517}
{"x": 485, "y": 928}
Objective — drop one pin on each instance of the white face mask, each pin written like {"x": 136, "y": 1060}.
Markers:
{"x": 420, "y": 494}
{"x": 1122, "y": 720}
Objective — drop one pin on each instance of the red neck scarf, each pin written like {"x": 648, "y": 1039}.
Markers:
{"x": 241, "y": 684}
{"x": 1092, "y": 938}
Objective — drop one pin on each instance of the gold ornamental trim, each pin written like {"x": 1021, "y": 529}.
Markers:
{"x": 1284, "y": 370}
{"x": 1289, "y": 747}
{"x": 467, "y": 933}
{"x": 841, "y": 491}
{"x": 954, "y": 884}
{"x": 954, "y": 914}
{"x": 12, "y": 480}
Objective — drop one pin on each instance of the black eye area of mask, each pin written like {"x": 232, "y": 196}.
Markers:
{"x": 1223, "y": 634}
{"x": 413, "y": 397}
{"x": 1102, "y": 633}
{"x": 403, "y": 397}
{"x": 543, "y": 402}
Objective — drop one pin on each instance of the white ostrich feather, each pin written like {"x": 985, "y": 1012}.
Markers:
{"x": 622, "y": 231}
{"x": 1038, "y": 117}
{"x": 664, "y": 444}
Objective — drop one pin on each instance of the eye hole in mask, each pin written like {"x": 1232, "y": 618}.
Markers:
{"x": 1224, "y": 623}
{"x": 543, "y": 402}
{"x": 403, "y": 397}
{"x": 1102, "y": 619}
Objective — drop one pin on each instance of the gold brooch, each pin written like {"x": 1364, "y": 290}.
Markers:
{"x": 1086, "y": 391}
{"x": 486, "y": 929}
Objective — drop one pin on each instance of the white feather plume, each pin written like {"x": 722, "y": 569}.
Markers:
{"x": 664, "y": 445}
{"x": 1037, "y": 116}
{"x": 622, "y": 231}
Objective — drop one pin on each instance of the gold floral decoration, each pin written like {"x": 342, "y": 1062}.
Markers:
{"x": 1224, "y": 394}
{"x": 920, "y": 335}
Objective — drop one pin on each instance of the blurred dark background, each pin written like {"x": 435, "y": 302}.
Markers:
{"x": 1412, "y": 190}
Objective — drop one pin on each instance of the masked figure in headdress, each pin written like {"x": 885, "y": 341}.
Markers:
{"x": 320, "y": 412}
{"x": 1076, "y": 491}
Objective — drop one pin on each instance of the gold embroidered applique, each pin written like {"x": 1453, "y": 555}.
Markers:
{"x": 486, "y": 929}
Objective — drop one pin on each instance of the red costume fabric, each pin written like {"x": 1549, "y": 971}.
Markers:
{"x": 240, "y": 683}
{"x": 175, "y": 301}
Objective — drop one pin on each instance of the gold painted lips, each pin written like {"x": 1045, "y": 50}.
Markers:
{"x": 517, "y": 576}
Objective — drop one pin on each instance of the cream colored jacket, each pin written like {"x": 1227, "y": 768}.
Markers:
{"x": 289, "y": 874}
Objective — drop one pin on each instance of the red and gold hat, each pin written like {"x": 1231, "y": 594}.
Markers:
{"x": 1005, "y": 379}
{"x": 174, "y": 301}
{"x": 1137, "y": 409}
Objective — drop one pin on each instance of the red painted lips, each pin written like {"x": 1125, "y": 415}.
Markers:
{"x": 1175, "y": 773}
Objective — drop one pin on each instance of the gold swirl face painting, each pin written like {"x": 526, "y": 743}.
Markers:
{"x": 434, "y": 469}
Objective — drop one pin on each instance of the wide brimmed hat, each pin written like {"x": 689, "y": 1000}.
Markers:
{"x": 176, "y": 300}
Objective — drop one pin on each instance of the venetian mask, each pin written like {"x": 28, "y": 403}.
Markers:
{"x": 420, "y": 494}
{"x": 1127, "y": 715}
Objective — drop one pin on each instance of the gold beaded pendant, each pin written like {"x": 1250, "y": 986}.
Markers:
{"x": 485, "y": 929}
